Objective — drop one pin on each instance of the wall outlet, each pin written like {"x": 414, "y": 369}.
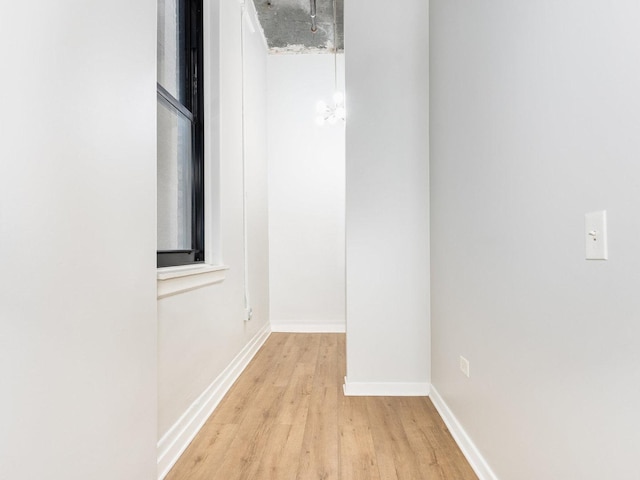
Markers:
{"x": 464, "y": 366}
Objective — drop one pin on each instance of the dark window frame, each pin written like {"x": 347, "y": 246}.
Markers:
{"x": 193, "y": 110}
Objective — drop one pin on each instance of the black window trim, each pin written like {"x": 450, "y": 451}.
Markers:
{"x": 195, "y": 114}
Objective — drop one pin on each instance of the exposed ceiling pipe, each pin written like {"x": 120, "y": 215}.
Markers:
{"x": 314, "y": 27}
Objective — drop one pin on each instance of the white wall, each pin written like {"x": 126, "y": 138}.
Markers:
{"x": 534, "y": 122}
{"x": 77, "y": 241}
{"x": 306, "y": 196}
{"x": 201, "y": 331}
{"x": 387, "y": 200}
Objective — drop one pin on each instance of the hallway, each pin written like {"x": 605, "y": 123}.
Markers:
{"x": 287, "y": 418}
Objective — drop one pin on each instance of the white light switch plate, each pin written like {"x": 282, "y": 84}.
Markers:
{"x": 595, "y": 233}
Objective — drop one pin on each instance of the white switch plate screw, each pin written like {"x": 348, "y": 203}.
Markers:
{"x": 464, "y": 366}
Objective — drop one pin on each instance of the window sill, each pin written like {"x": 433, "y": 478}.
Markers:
{"x": 174, "y": 280}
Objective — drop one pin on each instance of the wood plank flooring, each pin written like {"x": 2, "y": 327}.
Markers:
{"x": 286, "y": 418}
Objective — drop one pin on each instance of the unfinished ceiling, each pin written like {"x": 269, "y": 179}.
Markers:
{"x": 287, "y": 25}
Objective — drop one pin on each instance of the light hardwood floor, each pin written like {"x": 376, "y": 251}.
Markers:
{"x": 286, "y": 418}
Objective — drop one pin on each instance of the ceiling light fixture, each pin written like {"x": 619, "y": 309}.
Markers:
{"x": 332, "y": 113}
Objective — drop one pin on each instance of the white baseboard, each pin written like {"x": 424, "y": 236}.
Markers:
{"x": 308, "y": 327}
{"x": 180, "y": 435}
{"x": 469, "y": 449}
{"x": 371, "y": 389}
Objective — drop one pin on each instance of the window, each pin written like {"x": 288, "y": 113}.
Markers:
{"x": 180, "y": 133}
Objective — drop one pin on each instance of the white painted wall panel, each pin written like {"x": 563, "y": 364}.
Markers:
{"x": 77, "y": 241}
{"x": 306, "y": 194}
{"x": 535, "y": 112}
{"x": 387, "y": 199}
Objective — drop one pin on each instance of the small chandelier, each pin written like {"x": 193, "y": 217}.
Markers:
{"x": 331, "y": 113}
